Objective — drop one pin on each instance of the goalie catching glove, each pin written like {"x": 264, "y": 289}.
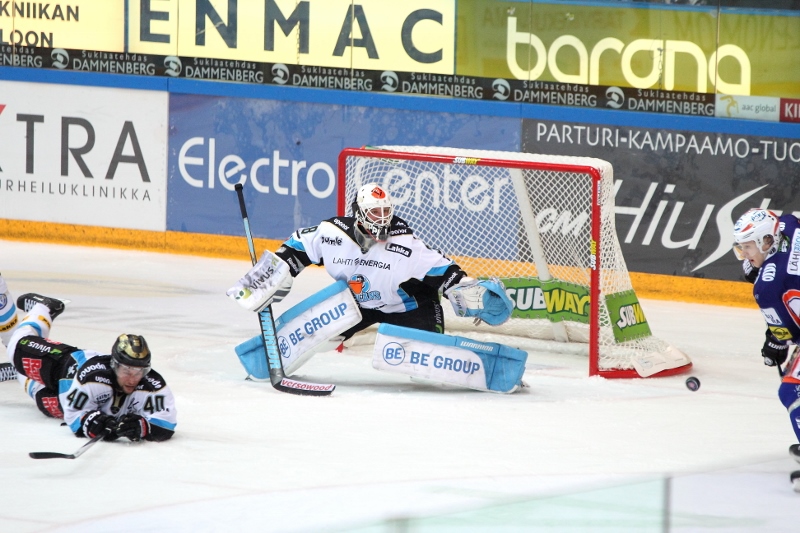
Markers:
{"x": 485, "y": 300}
{"x": 268, "y": 282}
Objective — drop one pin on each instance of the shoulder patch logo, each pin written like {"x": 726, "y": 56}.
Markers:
{"x": 396, "y": 248}
{"x": 333, "y": 241}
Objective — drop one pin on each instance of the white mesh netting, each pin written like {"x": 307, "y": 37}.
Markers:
{"x": 482, "y": 217}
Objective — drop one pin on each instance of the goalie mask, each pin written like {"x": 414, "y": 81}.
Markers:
{"x": 373, "y": 210}
{"x": 758, "y": 230}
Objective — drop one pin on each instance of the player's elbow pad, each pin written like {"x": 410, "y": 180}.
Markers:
{"x": 159, "y": 434}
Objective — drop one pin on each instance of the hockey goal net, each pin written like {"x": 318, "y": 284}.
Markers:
{"x": 542, "y": 224}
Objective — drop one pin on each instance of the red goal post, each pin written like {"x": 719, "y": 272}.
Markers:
{"x": 542, "y": 224}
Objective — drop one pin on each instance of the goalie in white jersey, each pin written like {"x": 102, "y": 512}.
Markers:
{"x": 394, "y": 276}
{"x": 117, "y": 395}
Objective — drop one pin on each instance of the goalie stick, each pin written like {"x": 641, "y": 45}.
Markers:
{"x": 276, "y": 375}
{"x": 56, "y": 455}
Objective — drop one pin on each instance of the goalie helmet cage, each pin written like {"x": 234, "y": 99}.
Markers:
{"x": 542, "y": 224}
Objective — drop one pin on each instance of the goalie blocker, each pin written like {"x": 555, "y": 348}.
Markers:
{"x": 310, "y": 327}
{"x": 484, "y": 366}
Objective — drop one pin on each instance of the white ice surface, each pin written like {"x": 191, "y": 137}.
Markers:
{"x": 571, "y": 453}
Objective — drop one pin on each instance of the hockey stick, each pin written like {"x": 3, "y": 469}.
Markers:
{"x": 56, "y": 455}
{"x": 781, "y": 371}
{"x": 276, "y": 375}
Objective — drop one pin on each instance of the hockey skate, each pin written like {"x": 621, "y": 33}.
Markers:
{"x": 7, "y": 372}
{"x": 794, "y": 452}
{"x": 27, "y": 301}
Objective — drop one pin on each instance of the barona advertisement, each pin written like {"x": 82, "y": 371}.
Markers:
{"x": 677, "y": 47}
{"x": 678, "y": 193}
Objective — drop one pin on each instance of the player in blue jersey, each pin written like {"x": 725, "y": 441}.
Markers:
{"x": 769, "y": 247}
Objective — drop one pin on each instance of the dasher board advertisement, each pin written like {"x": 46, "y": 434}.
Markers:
{"x": 285, "y": 155}
{"x": 640, "y": 45}
{"x": 678, "y": 192}
{"x": 79, "y": 24}
{"x": 83, "y": 155}
{"x": 414, "y": 35}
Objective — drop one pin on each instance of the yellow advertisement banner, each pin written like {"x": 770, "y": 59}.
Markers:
{"x": 153, "y": 27}
{"x": 76, "y": 24}
{"x": 414, "y": 35}
{"x": 694, "y": 49}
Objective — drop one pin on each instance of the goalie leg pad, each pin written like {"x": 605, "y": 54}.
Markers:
{"x": 485, "y": 299}
{"x": 253, "y": 357}
{"x": 310, "y": 327}
{"x": 484, "y": 366}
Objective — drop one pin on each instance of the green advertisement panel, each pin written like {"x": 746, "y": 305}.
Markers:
{"x": 627, "y": 316}
{"x": 702, "y": 49}
{"x": 557, "y": 300}
{"x": 552, "y": 300}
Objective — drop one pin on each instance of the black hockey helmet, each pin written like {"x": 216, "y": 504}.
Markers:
{"x": 130, "y": 350}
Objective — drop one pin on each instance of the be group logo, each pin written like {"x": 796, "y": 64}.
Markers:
{"x": 394, "y": 353}
{"x": 284, "y": 347}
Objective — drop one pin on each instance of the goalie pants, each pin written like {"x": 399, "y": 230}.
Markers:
{"x": 427, "y": 317}
{"x": 44, "y": 363}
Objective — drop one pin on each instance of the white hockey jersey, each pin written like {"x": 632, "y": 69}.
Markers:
{"x": 391, "y": 276}
{"x": 92, "y": 390}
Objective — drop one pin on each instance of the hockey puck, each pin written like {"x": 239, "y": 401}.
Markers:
{"x": 692, "y": 383}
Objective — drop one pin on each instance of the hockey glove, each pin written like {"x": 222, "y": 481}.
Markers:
{"x": 133, "y": 427}
{"x": 485, "y": 300}
{"x": 96, "y": 423}
{"x": 268, "y": 282}
{"x": 774, "y": 352}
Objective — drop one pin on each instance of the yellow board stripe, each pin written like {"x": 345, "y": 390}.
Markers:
{"x": 655, "y": 286}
